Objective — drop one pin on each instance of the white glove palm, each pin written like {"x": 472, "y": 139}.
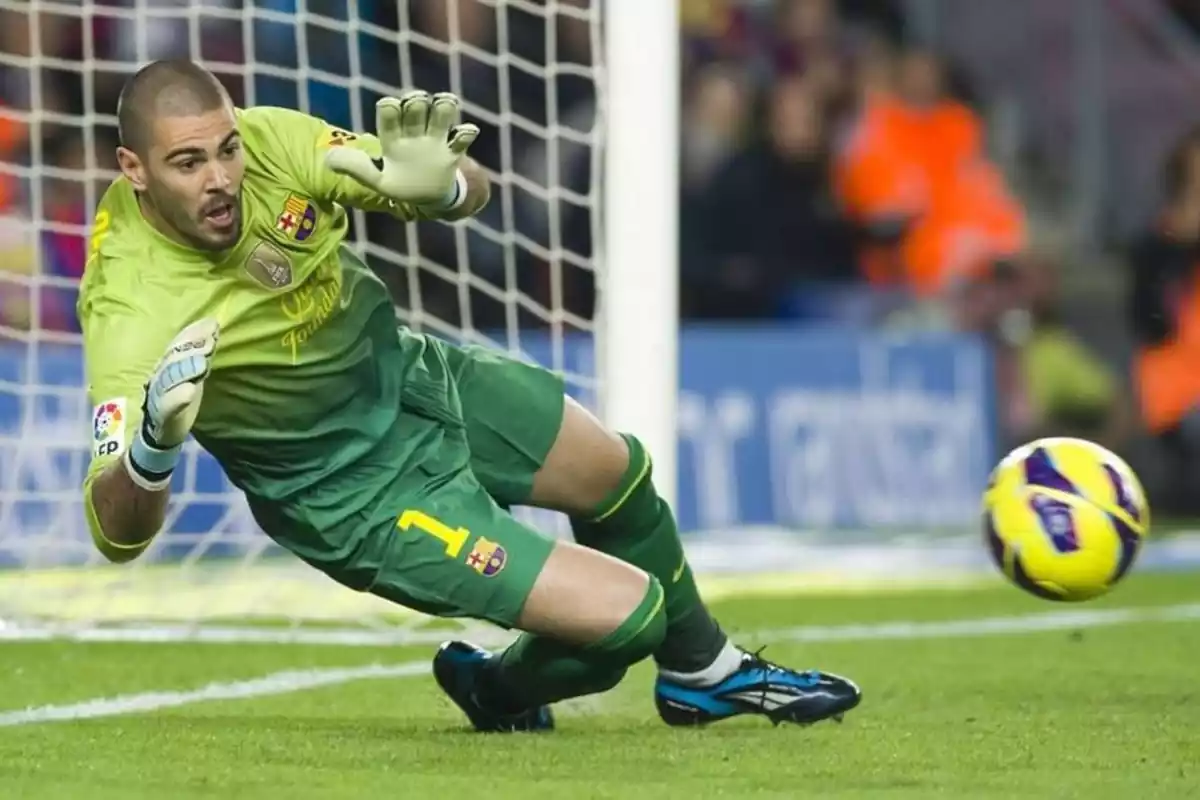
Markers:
{"x": 174, "y": 391}
{"x": 421, "y": 147}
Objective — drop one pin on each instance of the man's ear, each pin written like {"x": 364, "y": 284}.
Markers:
{"x": 132, "y": 168}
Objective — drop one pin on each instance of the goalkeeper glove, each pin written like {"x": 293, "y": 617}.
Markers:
{"x": 172, "y": 402}
{"x": 421, "y": 147}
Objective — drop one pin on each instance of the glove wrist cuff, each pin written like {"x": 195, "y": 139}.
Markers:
{"x": 456, "y": 195}
{"x": 151, "y": 466}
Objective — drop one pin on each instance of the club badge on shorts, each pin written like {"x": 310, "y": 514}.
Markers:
{"x": 487, "y": 557}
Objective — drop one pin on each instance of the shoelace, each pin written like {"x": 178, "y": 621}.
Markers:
{"x": 755, "y": 660}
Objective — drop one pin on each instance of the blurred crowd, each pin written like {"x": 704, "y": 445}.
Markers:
{"x": 831, "y": 170}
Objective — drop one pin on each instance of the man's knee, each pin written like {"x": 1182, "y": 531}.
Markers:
{"x": 639, "y": 635}
{"x": 634, "y": 480}
{"x": 584, "y": 468}
{"x": 582, "y": 596}
{"x": 633, "y": 506}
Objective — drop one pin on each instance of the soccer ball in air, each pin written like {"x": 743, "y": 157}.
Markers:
{"x": 1064, "y": 519}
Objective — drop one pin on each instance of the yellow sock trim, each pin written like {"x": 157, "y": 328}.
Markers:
{"x": 634, "y": 475}
{"x": 654, "y": 600}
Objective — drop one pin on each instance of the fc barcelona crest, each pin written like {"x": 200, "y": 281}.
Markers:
{"x": 487, "y": 557}
{"x": 298, "y": 219}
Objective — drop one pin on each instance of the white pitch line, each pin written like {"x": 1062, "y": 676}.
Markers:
{"x": 984, "y": 626}
{"x": 223, "y": 634}
{"x": 296, "y": 681}
{"x": 275, "y": 683}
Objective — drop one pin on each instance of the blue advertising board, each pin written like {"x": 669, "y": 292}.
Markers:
{"x": 825, "y": 427}
{"x": 810, "y": 428}
{"x": 832, "y": 429}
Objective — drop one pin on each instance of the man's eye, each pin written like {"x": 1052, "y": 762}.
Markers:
{"x": 232, "y": 148}
{"x": 187, "y": 166}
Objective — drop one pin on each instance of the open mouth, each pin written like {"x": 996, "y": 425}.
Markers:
{"x": 220, "y": 216}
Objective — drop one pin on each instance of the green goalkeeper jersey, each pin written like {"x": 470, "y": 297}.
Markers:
{"x": 303, "y": 404}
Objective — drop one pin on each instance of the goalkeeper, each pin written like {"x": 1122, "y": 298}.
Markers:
{"x": 219, "y": 300}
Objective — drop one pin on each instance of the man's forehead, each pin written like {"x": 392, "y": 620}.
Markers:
{"x": 204, "y": 130}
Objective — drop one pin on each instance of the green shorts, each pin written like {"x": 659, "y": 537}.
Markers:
{"x": 453, "y": 549}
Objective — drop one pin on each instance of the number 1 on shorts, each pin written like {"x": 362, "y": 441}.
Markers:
{"x": 454, "y": 538}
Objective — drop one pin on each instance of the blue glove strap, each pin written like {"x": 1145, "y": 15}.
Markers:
{"x": 151, "y": 462}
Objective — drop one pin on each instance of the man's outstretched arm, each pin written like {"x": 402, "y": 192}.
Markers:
{"x": 138, "y": 435}
{"x": 122, "y": 516}
{"x": 422, "y": 159}
{"x": 417, "y": 166}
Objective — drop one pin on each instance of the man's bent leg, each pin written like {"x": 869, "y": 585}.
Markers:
{"x": 531, "y": 446}
{"x": 702, "y": 676}
{"x": 604, "y": 483}
{"x": 636, "y": 525}
{"x": 454, "y": 552}
{"x": 587, "y": 619}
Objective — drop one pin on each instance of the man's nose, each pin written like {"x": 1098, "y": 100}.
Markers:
{"x": 219, "y": 178}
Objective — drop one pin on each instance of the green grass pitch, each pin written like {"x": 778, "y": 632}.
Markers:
{"x": 1103, "y": 704}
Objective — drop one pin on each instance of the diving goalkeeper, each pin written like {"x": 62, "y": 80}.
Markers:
{"x": 219, "y": 300}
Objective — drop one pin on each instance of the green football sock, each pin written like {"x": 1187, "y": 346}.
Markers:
{"x": 635, "y": 525}
{"x": 536, "y": 670}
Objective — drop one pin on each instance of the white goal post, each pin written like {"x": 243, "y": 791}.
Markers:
{"x": 640, "y": 263}
{"x": 573, "y": 264}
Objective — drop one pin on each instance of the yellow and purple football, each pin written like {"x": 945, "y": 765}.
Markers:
{"x": 1064, "y": 519}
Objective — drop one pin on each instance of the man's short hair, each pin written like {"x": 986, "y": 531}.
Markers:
{"x": 161, "y": 89}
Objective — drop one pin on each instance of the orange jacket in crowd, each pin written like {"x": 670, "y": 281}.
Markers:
{"x": 12, "y": 133}
{"x": 1166, "y": 323}
{"x": 927, "y": 166}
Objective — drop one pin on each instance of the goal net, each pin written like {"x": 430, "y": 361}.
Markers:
{"x": 520, "y": 276}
